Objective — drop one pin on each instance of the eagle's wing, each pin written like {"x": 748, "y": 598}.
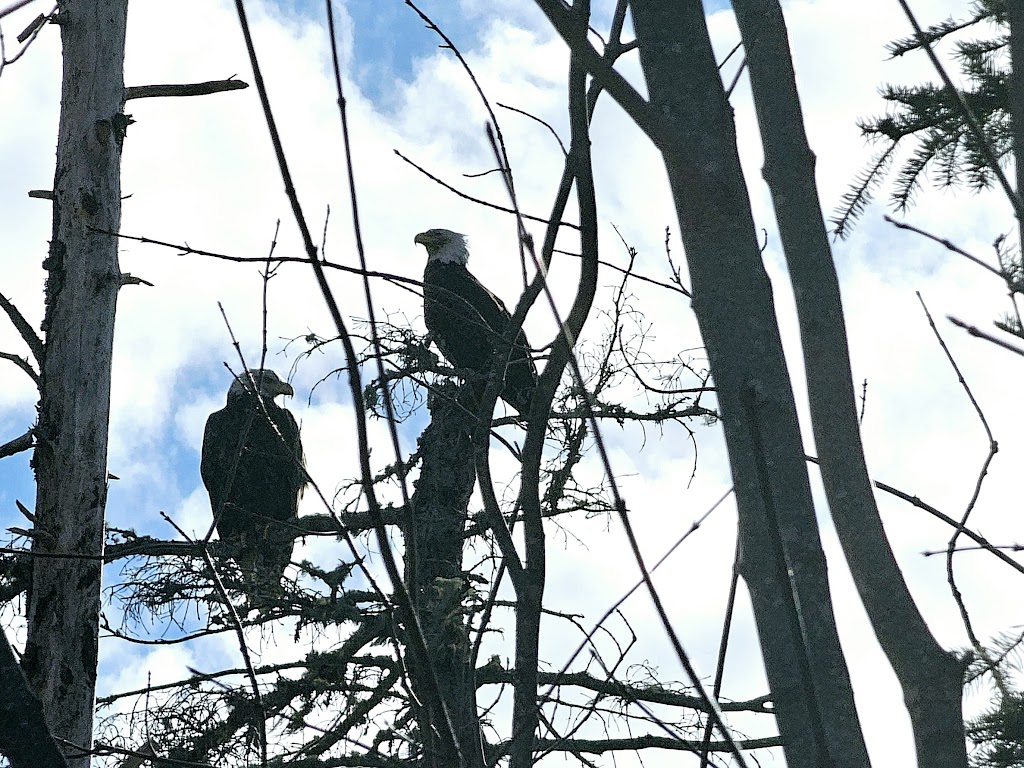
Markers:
{"x": 286, "y": 460}
{"x": 294, "y": 474}
{"x": 220, "y": 444}
{"x": 521, "y": 373}
{"x": 467, "y": 321}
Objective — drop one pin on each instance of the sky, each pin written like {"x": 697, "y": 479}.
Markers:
{"x": 201, "y": 171}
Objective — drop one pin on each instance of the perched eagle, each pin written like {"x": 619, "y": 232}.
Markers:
{"x": 253, "y": 469}
{"x": 467, "y": 321}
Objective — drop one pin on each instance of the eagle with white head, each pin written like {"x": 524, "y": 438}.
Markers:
{"x": 468, "y": 322}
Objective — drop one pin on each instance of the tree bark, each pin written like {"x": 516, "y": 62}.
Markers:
{"x": 81, "y": 292}
{"x": 932, "y": 679}
{"x": 782, "y": 561}
{"x": 440, "y": 504}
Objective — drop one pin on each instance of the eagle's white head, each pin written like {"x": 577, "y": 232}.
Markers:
{"x": 444, "y": 246}
{"x": 269, "y": 384}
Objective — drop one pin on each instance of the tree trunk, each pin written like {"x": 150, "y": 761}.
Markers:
{"x": 782, "y": 561}
{"x": 437, "y": 589}
{"x": 932, "y": 679}
{"x": 81, "y": 293}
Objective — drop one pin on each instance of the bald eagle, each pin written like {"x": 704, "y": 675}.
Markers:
{"x": 252, "y": 467}
{"x": 467, "y": 321}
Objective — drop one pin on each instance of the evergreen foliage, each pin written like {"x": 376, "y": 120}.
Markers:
{"x": 926, "y": 120}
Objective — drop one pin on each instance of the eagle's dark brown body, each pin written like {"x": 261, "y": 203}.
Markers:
{"x": 252, "y": 466}
{"x": 468, "y": 322}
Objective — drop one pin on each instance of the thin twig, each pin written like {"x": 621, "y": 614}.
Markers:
{"x": 389, "y": 407}
{"x": 545, "y": 123}
{"x": 450, "y": 45}
{"x": 993, "y": 448}
{"x": 477, "y": 200}
{"x": 974, "y": 330}
{"x": 23, "y": 364}
{"x": 269, "y": 270}
{"x": 948, "y": 245}
{"x": 24, "y": 328}
{"x": 917, "y": 502}
{"x": 184, "y": 250}
{"x": 723, "y": 647}
{"x": 29, "y": 36}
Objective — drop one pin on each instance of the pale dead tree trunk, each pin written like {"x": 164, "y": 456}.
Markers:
{"x": 782, "y": 562}
{"x": 932, "y": 679}
{"x": 81, "y": 292}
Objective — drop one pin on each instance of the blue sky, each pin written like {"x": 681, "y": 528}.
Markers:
{"x": 200, "y": 171}
{"x": 389, "y": 38}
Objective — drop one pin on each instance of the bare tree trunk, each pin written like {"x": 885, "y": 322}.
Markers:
{"x": 932, "y": 679}
{"x": 782, "y": 561}
{"x": 81, "y": 293}
{"x": 440, "y": 504}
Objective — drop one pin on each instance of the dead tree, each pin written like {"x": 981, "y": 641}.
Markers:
{"x": 439, "y": 587}
{"x": 70, "y": 438}
{"x": 70, "y": 459}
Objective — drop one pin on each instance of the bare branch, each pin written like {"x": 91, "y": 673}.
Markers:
{"x": 946, "y": 244}
{"x": 649, "y": 741}
{"x": 545, "y": 123}
{"x": 976, "y": 331}
{"x": 477, "y": 200}
{"x": 13, "y": 7}
{"x": 639, "y": 110}
{"x": 26, "y": 38}
{"x": 22, "y": 363}
{"x": 418, "y": 644}
{"x": 183, "y": 89}
{"x": 17, "y": 445}
{"x": 129, "y": 279}
{"x": 24, "y": 329}
{"x": 951, "y": 548}
{"x": 506, "y": 166}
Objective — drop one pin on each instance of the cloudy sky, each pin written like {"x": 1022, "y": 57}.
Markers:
{"x": 201, "y": 171}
